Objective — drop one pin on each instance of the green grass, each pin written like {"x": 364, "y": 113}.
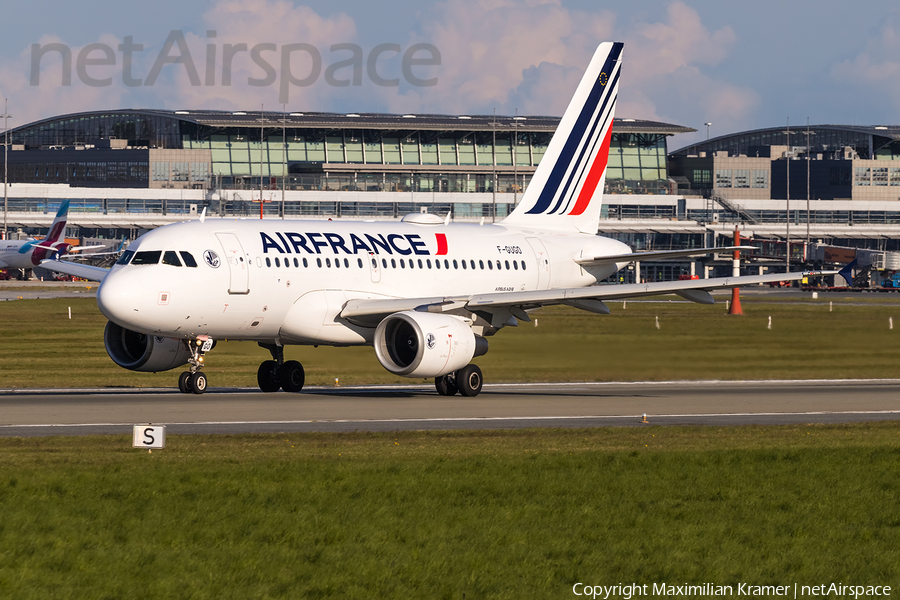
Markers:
{"x": 523, "y": 514}
{"x": 41, "y": 347}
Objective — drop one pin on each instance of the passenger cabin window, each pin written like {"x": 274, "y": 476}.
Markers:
{"x": 171, "y": 258}
{"x": 126, "y": 256}
{"x": 188, "y": 259}
{"x": 149, "y": 257}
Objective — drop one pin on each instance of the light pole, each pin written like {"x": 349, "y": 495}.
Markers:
{"x": 807, "y": 184}
{"x": 6, "y": 117}
{"x": 707, "y": 130}
{"x": 787, "y": 235}
{"x": 494, "y": 166}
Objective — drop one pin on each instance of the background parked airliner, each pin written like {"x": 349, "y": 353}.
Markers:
{"x": 27, "y": 254}
{"x": 425, "y": 293}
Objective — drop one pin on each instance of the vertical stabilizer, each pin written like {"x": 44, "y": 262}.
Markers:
{"x": 58, "y": 228}
{"x": 43, "y": 249}
{"x": 567, "y": 188}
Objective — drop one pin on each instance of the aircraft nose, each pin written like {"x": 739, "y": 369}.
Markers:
{"x": 120, "y": 297}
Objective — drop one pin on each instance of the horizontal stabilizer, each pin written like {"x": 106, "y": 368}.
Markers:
{"x": 662, "y": 254}
{"x": 83, "y": 248}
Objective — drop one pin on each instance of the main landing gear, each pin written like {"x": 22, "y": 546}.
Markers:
{"x": 278, "y": 373}
{"x": 467, "y": 381}
{"x": 194, "y": 381}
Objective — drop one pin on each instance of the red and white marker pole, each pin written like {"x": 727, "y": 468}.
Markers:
{"x": 736, "y": 272}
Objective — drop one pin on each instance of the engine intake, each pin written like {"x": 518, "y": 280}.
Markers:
{"x": 141, "y": 352}
{"x": 418, "y": 344}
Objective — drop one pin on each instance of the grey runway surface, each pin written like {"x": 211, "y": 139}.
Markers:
{"x": 46, "y": 290}
{"x": 81, "y": 412}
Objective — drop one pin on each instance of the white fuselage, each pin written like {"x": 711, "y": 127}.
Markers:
{"x": 287, "y": 281}
{"x": 22, "y": 254}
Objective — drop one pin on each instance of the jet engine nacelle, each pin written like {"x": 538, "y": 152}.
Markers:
{"x": 61, "y": 249}
{"x": 420, "y": 344}
{"x": 142, "y": 352}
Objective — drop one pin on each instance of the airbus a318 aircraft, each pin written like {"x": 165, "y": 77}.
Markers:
{"x": 425, "y": 293}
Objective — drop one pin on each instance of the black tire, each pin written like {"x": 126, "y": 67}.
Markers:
{"x": 292, "y": 376}
{"x": 469, "y": 380}
{"x": 445, "y": 385}
{"x": 184, "y": 382}
{"x": 267, "y": 376}
{"x": 198, "y": 382}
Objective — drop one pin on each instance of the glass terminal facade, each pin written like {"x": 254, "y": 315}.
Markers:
{"x": 318, "y": 151}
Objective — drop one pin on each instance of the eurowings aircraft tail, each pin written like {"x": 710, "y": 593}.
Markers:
{"x": 48, "y": 247}
{"x": 567, "y": 188}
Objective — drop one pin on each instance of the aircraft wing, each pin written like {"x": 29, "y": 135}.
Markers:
{"x": 367, "y": 312}
{"x": 633, "y": 256}
{"x": 75, "y": 269}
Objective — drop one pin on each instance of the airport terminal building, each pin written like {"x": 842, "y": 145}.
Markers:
{"x": 315, "y": 151}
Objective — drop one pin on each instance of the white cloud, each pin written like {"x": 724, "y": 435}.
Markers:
{"x": 530, "y": 54}
{"x": 49, "y": 97}
{"x": 665, "y": 78}
{"x": 876, "y": 68}
{"x": 505, "y": 54}
{"x": 494, "y": 52}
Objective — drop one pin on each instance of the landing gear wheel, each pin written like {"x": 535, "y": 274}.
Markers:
{"x": 469, "y": 380}
{"x": 184, "y": 382}
{"x": 267, "y": 376}
{"x": 291, "y": 376}
{"x": 445, "y": 385}
{"x": 198, "y": 382}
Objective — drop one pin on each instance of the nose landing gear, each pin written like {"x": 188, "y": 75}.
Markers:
{"x": 278, "y": 373}
{"x": 194, "y": 381}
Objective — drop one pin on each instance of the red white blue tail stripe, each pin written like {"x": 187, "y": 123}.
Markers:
{"x": 572, "y": 172}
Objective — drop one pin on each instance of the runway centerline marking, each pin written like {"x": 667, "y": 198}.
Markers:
{"x": 460, "y": 419}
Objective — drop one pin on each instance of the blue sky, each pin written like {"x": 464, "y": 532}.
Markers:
{"x": 738, "y": 65}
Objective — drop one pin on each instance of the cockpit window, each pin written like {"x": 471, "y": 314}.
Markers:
{"x": 126, "y": 256}
{"x": 188, "y": 259}
{"x": 150, "y": 257}
{"x": 171, "y": 258}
